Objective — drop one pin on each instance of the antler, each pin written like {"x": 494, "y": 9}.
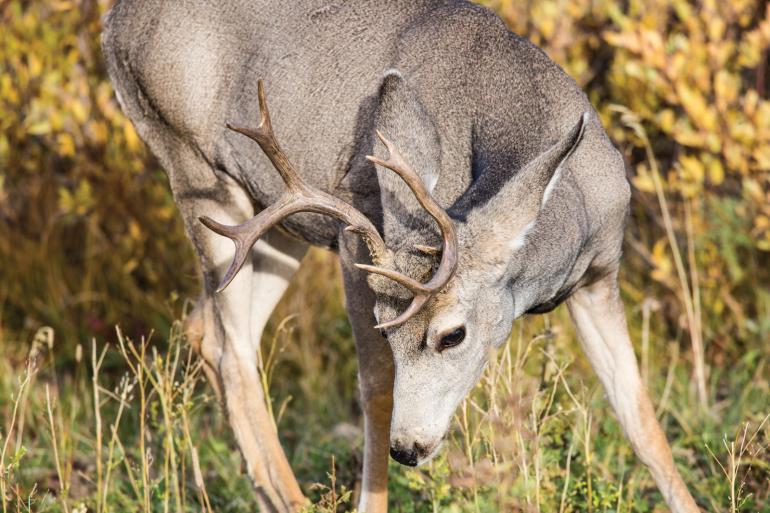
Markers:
{"x": 422, "y": 291}
{"x": 302, "y": 197}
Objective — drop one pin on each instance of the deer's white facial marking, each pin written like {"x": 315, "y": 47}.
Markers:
{"x": 439, "y": 356}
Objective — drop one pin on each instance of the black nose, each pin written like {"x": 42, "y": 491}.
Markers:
{"x": 404, "y": 456}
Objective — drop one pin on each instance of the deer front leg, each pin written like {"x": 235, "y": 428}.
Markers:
{"x": 227, "y": 327}
{"x": 375, "y": 382}
{"x": 244, "y": 308}
{"x": 598, "y": 314}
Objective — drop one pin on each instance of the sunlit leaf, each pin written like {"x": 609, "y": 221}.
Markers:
{"x": 39, "y": 128}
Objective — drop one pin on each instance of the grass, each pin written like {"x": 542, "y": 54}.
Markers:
{"x": 132, "y": 426}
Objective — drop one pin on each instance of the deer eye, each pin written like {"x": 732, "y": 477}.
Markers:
{"x": 451, "y": 339}
{"x": 384, "y": 334}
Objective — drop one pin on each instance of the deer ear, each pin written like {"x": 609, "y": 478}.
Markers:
{"x": 402, "y": 118}
{"x": 545, "y": 171}
{"x": 514, "y": 208}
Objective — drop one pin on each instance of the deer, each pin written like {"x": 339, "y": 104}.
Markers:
{"x": 463, "y": 178}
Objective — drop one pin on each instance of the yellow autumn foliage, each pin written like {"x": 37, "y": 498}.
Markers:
{"x": 76, "y": 185}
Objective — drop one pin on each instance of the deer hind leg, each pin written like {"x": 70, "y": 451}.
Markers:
{"x": 375, "y": 380}
{"x": 231, "y": 323}
{"x": 598, "y": 314}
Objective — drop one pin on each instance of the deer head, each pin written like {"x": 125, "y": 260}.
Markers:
{"x": 442, "y": 280}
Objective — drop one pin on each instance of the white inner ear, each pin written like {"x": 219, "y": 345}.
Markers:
{"x": 551, "y": 184}
{"x": 557, "y": 174}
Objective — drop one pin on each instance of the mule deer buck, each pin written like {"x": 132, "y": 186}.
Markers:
{"x": 493, "y": 192}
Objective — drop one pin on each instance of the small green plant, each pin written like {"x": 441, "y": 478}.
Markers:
{"x": 331, "y": 499}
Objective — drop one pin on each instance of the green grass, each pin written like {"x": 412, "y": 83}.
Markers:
{"x": 536, "y": 434}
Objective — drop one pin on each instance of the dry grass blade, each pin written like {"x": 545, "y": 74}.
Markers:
{"x": 689, "y": 295}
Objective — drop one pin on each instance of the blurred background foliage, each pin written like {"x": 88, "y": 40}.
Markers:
{"x": 90, "y": 236}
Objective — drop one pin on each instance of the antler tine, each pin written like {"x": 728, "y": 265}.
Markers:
{"x": 415, "y": 306}
{"x": 422, "y": 291}
{"x": 300, "y": 197}
{"x": 415, "y": 286}
{"x": 241, "y": 249}
{"x": 245, "y": 235}
{"x": 264, "y": 136}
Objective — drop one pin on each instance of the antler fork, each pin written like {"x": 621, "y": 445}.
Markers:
{"x": 299, "y": 197}
{"x": 422, "y": 291}
{"x": 302, "y": 197}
